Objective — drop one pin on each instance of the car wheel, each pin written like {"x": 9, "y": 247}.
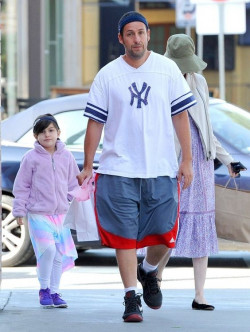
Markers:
{"x": 16, "y": 244}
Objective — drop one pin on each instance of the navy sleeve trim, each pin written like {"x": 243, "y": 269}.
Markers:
{"x": 181, "y": 104}
{"x": 96, "y": 113}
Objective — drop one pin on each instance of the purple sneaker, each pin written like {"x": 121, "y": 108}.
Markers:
{"x": 58, "y": 301}
{"x": 45, "y": 298}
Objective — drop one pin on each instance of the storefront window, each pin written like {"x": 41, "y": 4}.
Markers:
{"x": 159, "y": 35}
{"x": 54, "y": 44}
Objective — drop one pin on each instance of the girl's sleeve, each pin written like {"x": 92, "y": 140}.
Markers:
{"x": 21, "y": 188}
{"x": 73, "y": 172}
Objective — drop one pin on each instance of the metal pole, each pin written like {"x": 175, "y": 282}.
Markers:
{"x": 1, "y": 167}
{"x": 22, "y": 49}
{"x": 200, "y": 46}
{"x": 221, "y": 51}
{"x": 188, "y": 30}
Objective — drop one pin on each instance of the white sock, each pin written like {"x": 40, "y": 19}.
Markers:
{"x": 148, "y": 267}
{"x": 130, "y": 289}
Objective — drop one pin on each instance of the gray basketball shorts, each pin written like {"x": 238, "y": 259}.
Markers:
{"x": 136, "y": 213}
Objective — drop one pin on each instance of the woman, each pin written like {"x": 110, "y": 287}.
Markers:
{"x": 197, "y": 237}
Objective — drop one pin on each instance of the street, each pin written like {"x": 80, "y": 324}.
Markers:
{"x": 94, "y": 293}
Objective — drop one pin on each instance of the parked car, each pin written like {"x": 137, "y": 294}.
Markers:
{"x": 231, "y": 125}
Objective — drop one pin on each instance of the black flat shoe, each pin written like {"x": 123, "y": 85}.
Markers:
{"x": 197, "y": 306}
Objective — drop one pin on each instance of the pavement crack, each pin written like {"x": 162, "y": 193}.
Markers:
{"x": 6, "y": 301}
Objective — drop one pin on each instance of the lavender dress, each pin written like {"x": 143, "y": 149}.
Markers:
{"x": 197, "y": 233}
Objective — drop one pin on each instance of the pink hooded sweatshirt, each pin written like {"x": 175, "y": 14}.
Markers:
{"x": 44, "y": 180}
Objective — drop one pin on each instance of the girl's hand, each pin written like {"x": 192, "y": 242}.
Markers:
{"x": 19, "y": 220}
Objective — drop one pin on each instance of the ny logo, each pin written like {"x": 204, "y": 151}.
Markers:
{"x": 138, "y": 94}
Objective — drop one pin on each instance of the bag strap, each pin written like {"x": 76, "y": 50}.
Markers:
{"x": 236, "y": 187}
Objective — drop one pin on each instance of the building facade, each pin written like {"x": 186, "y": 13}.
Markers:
{"x": 56, "y": 47}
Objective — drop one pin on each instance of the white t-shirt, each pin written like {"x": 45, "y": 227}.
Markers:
{"x": 136, "y": 105}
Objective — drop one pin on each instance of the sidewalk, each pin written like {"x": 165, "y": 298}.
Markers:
{"x": 101, "y": 311}
{"x": 94, "y": 296}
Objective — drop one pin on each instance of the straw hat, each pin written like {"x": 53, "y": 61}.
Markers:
{"x": 180, "y": 49}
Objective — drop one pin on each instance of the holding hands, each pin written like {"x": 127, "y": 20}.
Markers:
{"x": 84, "y": 176}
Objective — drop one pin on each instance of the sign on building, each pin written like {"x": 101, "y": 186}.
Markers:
{"x": 208, "y": 16}
{"x": 185, "y": 13}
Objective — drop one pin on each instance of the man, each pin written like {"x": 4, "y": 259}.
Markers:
{"x": 138, "y": 97}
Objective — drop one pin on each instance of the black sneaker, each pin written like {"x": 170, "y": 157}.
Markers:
{"x": 133, "y": 307}
{"x": 151, "y": 291}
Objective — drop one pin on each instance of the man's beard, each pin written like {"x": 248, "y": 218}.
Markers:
{"x": 136, "y": 55}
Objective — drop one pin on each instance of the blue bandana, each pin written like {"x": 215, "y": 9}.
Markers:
{"x": 131, "y": 17}
{"x": 46, "y": 117}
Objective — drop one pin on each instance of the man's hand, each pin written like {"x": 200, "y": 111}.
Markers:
{"x": 84, "y": 176}
{"x": 185, "y": 173}
{"x": 91, "y": 141}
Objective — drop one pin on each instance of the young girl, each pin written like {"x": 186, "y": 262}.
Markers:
{"x": 45, "y": 176}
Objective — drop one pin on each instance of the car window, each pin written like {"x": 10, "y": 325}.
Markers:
{"x": 73, "y": 127}
{"x": 232, "y": 124}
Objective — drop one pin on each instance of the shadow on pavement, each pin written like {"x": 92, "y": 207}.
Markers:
{"x": 106, "y": 257}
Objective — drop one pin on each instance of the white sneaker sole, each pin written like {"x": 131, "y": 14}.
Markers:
{"x": 50, "y": 306}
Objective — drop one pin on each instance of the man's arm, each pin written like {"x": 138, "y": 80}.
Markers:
{"x": 182, "y": 129}
{"x": 92, "y": 139}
